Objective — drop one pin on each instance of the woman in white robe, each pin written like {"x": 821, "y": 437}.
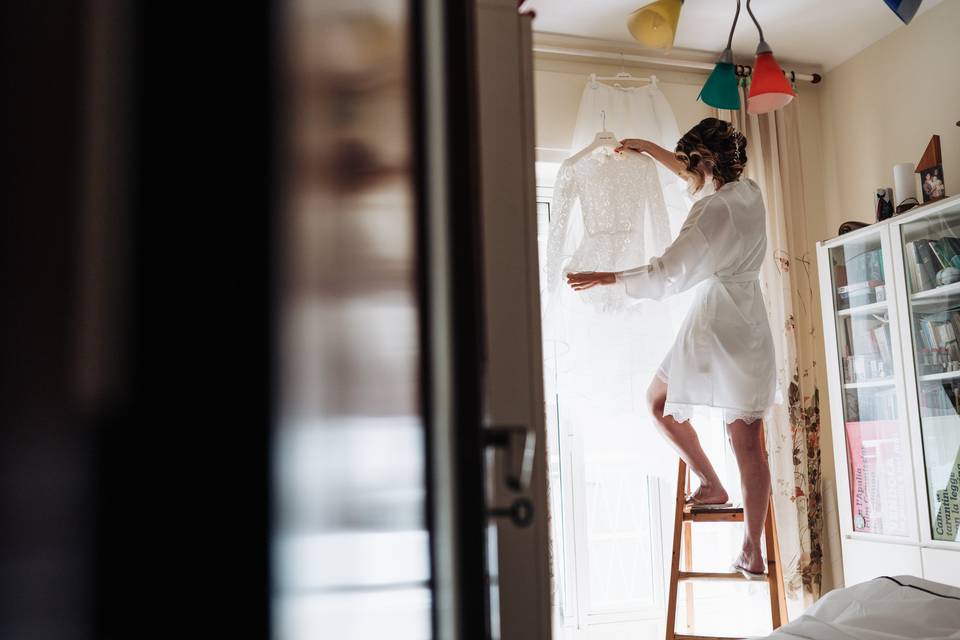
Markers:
{"x": 723, "y": 356}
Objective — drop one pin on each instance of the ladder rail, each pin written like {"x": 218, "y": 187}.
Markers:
{"x": 684, "y": 517}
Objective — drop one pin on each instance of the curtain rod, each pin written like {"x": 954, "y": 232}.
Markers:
{"x": 652, "y": 60}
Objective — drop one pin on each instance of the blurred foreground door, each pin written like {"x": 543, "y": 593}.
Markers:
{"x": 513, "y": 377}
{"x": 408, "y": 462}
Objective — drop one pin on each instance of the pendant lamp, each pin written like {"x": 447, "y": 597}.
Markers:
{"x": 905, "y": 9}
{"x": 655, "y": 25}
{"x": 769, "y": 88}
{"x": 720, "y": 90}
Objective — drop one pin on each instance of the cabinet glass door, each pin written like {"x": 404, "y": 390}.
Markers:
{"x": 876, "y": 441}
{"x": 931, "y": 259}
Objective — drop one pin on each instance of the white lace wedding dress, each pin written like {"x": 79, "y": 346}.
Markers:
{"x": 608, "y": 214}
{"x": 617, "y": 201}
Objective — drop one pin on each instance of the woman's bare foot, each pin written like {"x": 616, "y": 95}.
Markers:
{"x": 751, "y": 559}
{"x": 709, "y": 494}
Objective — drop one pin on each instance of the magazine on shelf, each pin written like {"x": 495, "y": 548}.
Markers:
{"x": 941, "y": 460}
{"x": 877, "y": 476}
{"x": 946, "y": 523}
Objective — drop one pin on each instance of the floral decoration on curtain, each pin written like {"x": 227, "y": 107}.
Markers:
{"x": 793, "y": 432}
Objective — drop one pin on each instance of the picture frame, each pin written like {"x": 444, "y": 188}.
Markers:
{"x": 931, "y": 183}
{"x": 930, "y": 168}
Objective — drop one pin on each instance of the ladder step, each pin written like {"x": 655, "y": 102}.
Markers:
{"x": 708, "y": 575}
{"x": 679, "y": 636}
{"x": 724, "y": 514}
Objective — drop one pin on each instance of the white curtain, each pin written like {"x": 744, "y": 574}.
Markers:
{"x": 793, "y": 433}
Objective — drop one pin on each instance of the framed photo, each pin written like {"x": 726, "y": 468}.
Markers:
{"x": 930, "y": 169}
{"x": 931, "y": 182}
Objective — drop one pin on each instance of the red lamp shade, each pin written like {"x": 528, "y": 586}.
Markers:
{"x": 769, "y": 88}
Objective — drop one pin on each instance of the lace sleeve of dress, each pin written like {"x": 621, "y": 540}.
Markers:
{"x": 559, "y": 247}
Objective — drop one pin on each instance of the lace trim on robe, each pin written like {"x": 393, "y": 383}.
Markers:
{"x": 684, "y": 412}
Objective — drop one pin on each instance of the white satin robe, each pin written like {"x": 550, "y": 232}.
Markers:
{"x": 723, "y": 355}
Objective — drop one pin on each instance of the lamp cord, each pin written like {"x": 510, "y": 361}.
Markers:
{"x": 734, "y": 26}
{"x": 750, "y": 11}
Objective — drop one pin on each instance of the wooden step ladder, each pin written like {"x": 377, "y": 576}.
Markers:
{"x": 683, "y": 520}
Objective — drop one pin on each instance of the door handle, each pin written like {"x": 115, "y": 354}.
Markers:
{"x": 520, "y": 512}
{"x": 518, "y": 445}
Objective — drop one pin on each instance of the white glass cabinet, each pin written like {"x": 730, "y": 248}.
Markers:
{"x": 891, "y": 311}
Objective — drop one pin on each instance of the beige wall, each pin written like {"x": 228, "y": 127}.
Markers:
{"x": 881, "y": 107}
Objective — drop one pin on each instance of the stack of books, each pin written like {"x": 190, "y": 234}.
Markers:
{"x": 925, "y": 258}
{"x": 860, "y": 280}
{"x": 936, "y": 342}
{"x": 868, "y": 354}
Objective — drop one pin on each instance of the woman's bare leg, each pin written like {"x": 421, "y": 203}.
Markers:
{"x": 684, "y": 439}
{"x": 755, "y": 481}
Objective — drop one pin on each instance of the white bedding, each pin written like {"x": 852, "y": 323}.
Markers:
{"x": 881, "y": 609}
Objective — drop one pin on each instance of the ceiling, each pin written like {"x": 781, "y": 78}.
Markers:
{"x": 823, "y": 33}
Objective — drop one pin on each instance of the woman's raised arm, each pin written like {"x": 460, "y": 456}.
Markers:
{"x": 658, "y": 153}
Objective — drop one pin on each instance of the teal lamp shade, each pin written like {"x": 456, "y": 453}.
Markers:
{"x": 720, "y": 90}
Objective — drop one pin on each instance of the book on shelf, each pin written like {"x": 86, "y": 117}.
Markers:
{"x": 877, "y": 476}
{"x": 880, "y": 341}
{"x": 871, "y": 404}
{"x": 865, "y": 266}
{"x": 867, "y": 352}
{"x": 940, "y": 398}
{"x": 926, "y": 257}
{"x": 859, "y": 280}
{"x": 941, "y": 459}
{"x": 860, "y": 293}
{"x": 946, "y": 522}
{"x": 936, "y": 342}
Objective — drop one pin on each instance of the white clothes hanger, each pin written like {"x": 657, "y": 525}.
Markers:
{"x": 622, "y": 76}
{"x": 603, "y": 138}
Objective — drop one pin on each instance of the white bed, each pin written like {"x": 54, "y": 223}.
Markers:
{"x": 897, "y": 608}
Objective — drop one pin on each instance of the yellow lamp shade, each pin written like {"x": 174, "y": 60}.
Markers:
{"x": 655, "y": 25}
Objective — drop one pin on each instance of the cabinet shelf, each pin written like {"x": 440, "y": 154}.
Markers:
{"x": 866, "y": 384}
{"x": 873, "y": 307}
{"x": 946, "y": 375}
{"x": 934, "y": 298}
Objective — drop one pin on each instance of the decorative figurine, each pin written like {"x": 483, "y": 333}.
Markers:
{"x": 884, "y": 204}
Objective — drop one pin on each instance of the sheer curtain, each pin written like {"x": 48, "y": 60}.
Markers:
{"x": 793, "y": 433}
